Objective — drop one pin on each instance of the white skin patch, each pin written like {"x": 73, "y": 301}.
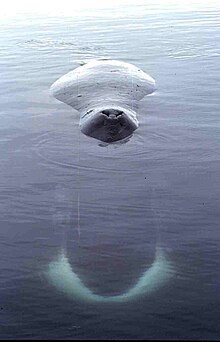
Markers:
{"x": 62, "y": 276}
{"x": 107, "y": 84}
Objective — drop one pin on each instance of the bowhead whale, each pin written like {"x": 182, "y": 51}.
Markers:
{"x": 106, "y": 93}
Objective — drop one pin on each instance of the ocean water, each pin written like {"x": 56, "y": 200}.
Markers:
{"x": 111, "y": 241}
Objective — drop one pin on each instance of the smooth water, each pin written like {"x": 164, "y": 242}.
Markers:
{"x": 111, "y": 241}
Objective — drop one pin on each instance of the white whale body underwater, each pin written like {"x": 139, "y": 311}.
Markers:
{"x": 106, "y": 94}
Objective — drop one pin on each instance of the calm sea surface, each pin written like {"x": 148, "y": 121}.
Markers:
{"x": 108, "y": 208}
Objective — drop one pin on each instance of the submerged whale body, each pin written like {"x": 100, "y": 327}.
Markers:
{"x": 106, "y": 93}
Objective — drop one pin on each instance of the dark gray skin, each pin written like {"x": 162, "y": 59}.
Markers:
{"x": 108, "y": 125}
{"x": 106, "y": 93}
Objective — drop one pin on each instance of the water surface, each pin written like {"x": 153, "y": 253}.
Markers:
{"x": 110, "y": 206}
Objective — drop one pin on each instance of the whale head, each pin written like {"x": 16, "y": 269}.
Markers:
{"x": 108, "y": 123}
{"x": 106, "y": 94}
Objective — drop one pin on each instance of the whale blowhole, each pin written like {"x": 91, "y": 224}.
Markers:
{"x": 106, "y": 94}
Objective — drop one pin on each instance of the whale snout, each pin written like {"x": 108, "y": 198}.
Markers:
{"x": 114, "y": 120}
{"x": 108, "y": 124}
{"x": 112, "y": 114}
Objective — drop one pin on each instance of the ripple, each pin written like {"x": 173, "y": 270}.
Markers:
{"x": 60, "y": 149}
{"x": 71, "y": 149}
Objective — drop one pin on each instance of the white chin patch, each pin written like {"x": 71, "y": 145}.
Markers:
{"x": 62, "y": 276}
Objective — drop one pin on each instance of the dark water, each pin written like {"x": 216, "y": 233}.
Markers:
{"x": 109, "y": 207}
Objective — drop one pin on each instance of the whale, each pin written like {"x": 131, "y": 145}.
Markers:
{"x": 106, "y": 93}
